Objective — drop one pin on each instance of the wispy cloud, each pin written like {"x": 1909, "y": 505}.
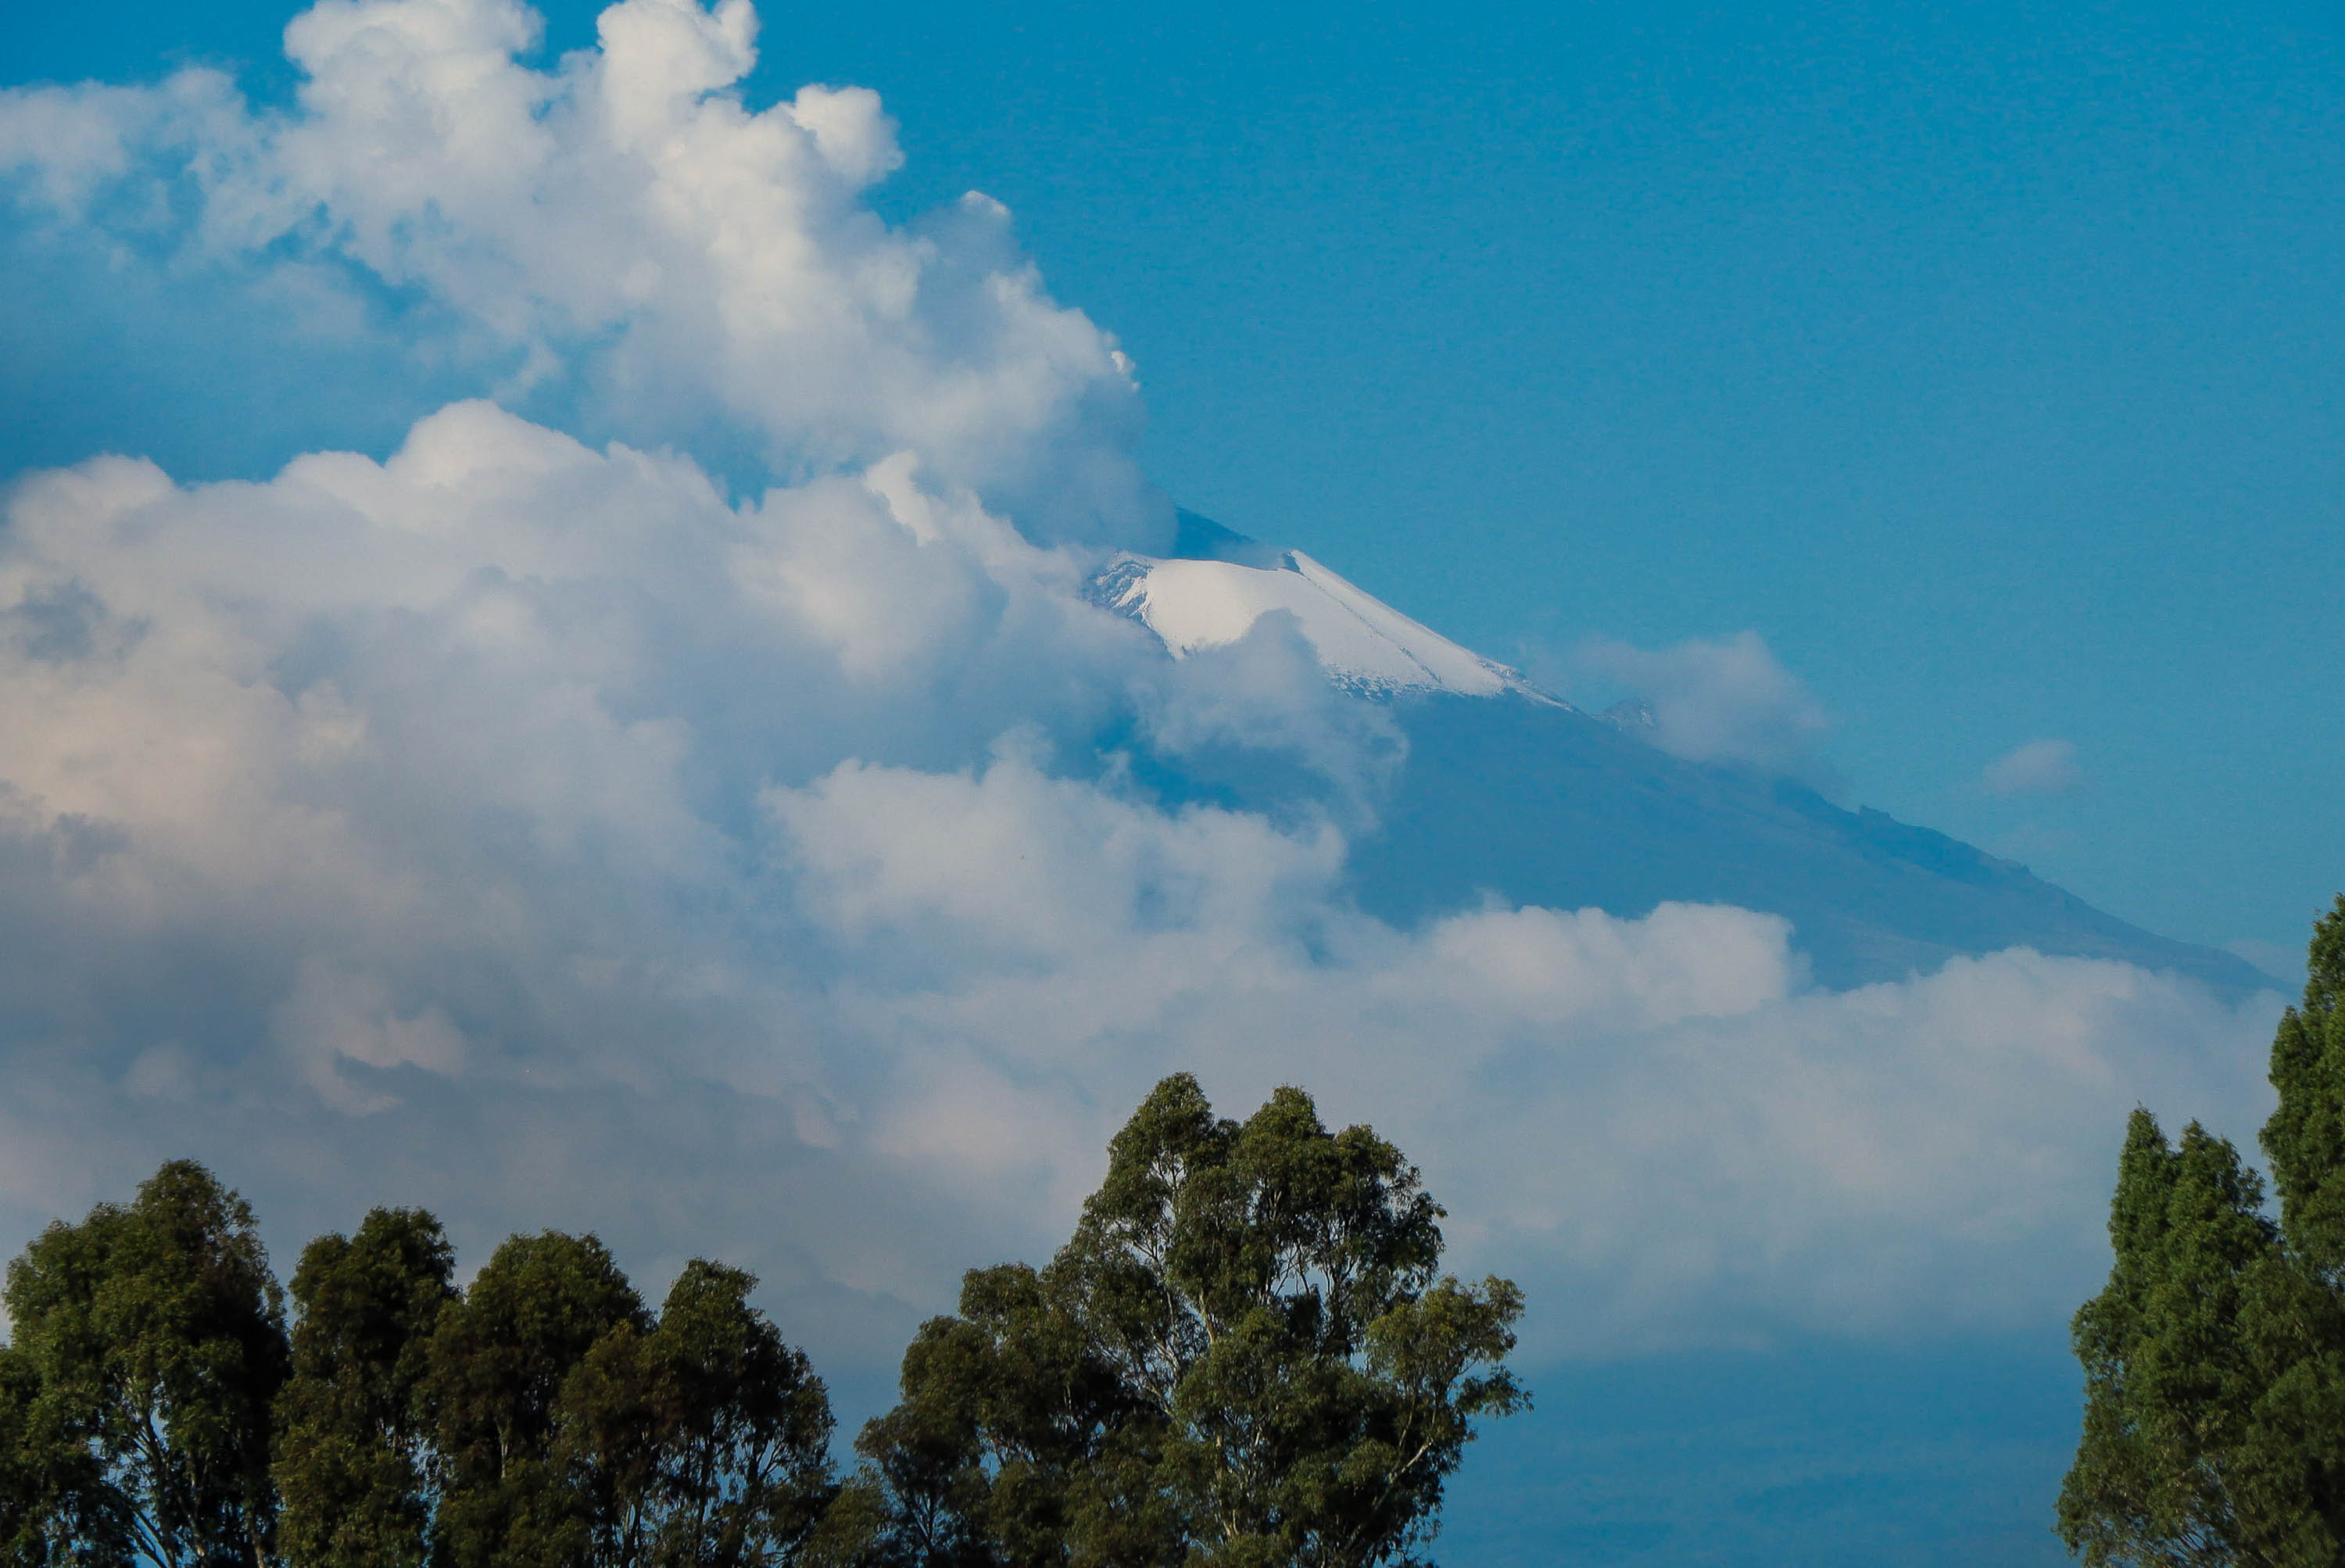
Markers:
{"x": 2039, "y": 767}
{"x": 1727, "y": 700}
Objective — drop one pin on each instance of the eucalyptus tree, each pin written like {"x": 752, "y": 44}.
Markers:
{"x": 704, "y": 1443}
{"x": 356, "y": 1464}
{"x": 148, "y": 1348}
{"x": 498, "y": 1365}
{"x": 1245, "y": 1355}
{"x": 574, "y": 1429}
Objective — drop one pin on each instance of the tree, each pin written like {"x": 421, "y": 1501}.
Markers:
{"x": 149, "y": 1345}
{"x": 498, "y": 1364}
{"x": 576, "y": 1429}
{"x": 2214, "y": 1424}
{"x": 1244, "y": 1356}
{"x": 2171, "y": 1378}
{"x": 355, "y": 1462}
{"x": 2305, "y": 1138}
{"x": 39, "y": 1486}
{"x": 1017, "y": 1440}
{"x": 706, "y": 1440}
{"x": 2292, "y": 1472}
{"x": 543, "y": 1420}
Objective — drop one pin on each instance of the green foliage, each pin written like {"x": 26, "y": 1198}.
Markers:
{"x": 1244, "y": 1356}
{"x": 354, "y": 1455}
{"x": 498, "y": 1366}
{"x": 37, "y": 1485}
{"x": 2170, "y": 1376}
{"x": 2305, "y": 1138}
{"x": 149, "y": 1344}
{"x": 705, "y": 1443}
{"x": 2214, "y": 1425}
{"x": 545, "y": 1417}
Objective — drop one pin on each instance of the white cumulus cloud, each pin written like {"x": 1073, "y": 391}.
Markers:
{"x": 626, "y": 221}
{"x": 543, "y": 831}
{"x": 526, "y": 830}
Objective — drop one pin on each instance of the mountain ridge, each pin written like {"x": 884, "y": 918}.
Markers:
{"x": 1507, "y": 790}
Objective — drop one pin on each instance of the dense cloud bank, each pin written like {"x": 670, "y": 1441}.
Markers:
{"x": 620, "y": 222}
{"x": 814, "y": 877}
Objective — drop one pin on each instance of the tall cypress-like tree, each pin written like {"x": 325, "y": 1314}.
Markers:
{"x": 2305, "y": 1138}
{"x": 2170, "y": 1379}
{"x": 2214, "y": 1426}
{"x": 2293, "y": 1468}
{"x": 149, "y": 1346}
{"x": 355, "y": 1464}
{"x": 2117, "y": 1493}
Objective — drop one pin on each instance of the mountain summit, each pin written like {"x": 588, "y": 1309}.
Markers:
{"x": 1508, "y": 792}
{"x": 1363, "y": 643}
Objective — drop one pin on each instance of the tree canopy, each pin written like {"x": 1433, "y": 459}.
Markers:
{"x": 1245, "y": 1355}
{"x": 354, "y": 1452}
{"x": 2214, "y": 1424}
{"x": 149, "y": 1346}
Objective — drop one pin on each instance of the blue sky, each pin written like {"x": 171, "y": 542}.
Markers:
{"x": 1981, "y": 360}
{"x": 560, "y": 832}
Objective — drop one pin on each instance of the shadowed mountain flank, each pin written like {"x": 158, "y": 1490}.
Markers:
{"x": 1539, "y": 804}
{"x": 1509, "y": 793}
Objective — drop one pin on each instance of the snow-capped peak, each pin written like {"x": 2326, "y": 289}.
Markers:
{"x": 1362, "y": 643}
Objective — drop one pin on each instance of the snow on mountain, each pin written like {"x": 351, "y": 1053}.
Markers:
{"x": 1507, "y": 791}
{"x": 1363, "y": 643}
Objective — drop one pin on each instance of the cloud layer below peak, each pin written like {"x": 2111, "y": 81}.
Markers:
{"x": 811, "y": 875}
{"x": 527, "y": 831}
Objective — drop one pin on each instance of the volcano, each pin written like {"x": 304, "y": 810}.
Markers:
{"x": 1509, "y": 793}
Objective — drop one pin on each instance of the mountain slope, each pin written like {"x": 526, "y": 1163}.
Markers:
{"x": 1508, "y": 792}
{"x": 1548, "y": 806}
